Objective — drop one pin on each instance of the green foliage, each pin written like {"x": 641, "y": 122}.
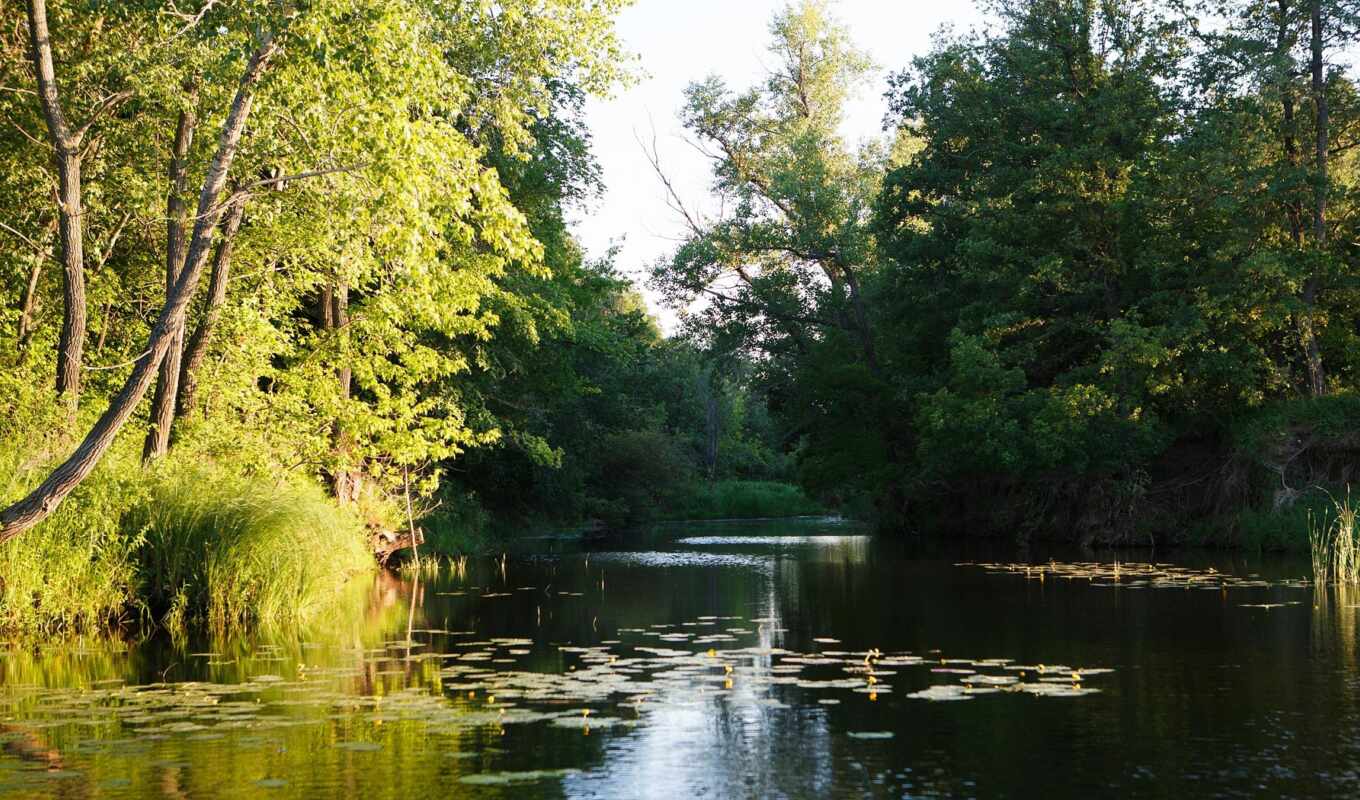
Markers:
{"x": 1330, "y": 418}
{"x": 461, "y": 526}
{"x": 405, "y": 128}
{"x": 1284, "y": 530}
{"x": 1086, "y": 247}
{"x": 743, "y": 500}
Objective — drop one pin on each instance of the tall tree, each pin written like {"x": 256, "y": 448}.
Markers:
{"x": 68, "y": 151}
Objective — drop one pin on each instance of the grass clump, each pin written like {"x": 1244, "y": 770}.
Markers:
{"x": 1335, "y": 545}
{"x": 229, "y": 550}
{"x": 738, "y": 499}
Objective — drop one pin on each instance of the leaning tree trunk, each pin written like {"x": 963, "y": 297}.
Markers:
{"x": 197, "y": 348}
{"x": 66, "y": 156}
{"x": 43, "y": 500}
{"x": 167, "y": 381}
{"x": 1317, "y": 378}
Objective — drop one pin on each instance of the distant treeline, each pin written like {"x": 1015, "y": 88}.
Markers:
{"x": 1098, "y": 281}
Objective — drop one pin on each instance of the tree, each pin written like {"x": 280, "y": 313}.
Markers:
{"x": 347, "y": 95}
{"x": 69, "y": 147}
{"x": 28, "y": 512}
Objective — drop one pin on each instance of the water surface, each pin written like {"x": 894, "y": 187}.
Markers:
{"x": 781, "y": 659}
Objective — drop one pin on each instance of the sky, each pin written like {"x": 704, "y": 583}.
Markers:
{"x": 680, "y": 41}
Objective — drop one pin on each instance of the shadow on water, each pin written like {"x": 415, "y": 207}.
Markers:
{"x": 797, "y": 658}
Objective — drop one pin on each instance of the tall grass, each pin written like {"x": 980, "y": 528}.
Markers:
{"x": 76, "y": 571}
{"x": 231, "y": 551}
{"x": 178, "y": 544}
{"x": 1335, "y": 545}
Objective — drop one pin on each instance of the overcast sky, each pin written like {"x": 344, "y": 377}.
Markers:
{"x": 679, "y": 41}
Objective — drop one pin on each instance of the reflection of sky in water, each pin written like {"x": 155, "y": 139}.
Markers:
{"x": 655, "y": 558}
{"x": 730, "y": 746}
{"x": 780, "y": 541}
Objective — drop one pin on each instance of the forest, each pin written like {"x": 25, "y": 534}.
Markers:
{"x": 280, "y": 278}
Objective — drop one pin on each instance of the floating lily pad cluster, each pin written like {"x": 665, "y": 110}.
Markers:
{"x": 452, "y": 682}
{"x": 1135, "y": 575}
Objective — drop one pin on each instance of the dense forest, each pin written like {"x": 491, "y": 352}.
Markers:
{"x": 279, "y": 277}
{"x": 1095, "y": 282}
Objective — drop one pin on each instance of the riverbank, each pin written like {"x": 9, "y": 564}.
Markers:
{"x": 190, "y": 543}
{"x": 176, "y": 545}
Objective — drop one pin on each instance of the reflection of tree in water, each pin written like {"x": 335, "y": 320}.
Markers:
{"x": 1334, "y": 623}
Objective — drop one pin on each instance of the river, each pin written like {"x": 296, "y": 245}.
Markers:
{"x": 799, "y": 659}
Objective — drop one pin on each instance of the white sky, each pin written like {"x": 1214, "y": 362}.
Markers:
{"x": 680, "y": 41}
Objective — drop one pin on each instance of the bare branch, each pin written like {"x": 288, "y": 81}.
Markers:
{"x": 37, "y": 249}
{"x": 106, "y": 106}
{"x": 693, "y": 220}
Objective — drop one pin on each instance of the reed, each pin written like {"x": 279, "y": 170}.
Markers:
{"x": 1333, "y": 545}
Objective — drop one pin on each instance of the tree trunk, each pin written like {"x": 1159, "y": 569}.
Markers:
{"x": 1284, "y": 45}
{"x": 66, "y": 158}
{"x": 167, "y": 380}
{"x": 336, "y": 317}
{"x": 1317, "y": 379}
{"x": 42, "y": 501}
{"x": 29, "y": 306}
{"x": 197, "y": 348}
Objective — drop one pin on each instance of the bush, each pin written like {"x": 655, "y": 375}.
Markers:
{"x": 638, "y": 474}
{"x": 743, "y": 500}
{"x": 460, "y": 526}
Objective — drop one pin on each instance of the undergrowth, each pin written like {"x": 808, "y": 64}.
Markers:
{"x": 190, "y": 541}
{"x": 742, "y": 500}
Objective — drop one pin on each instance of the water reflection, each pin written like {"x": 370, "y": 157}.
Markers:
{"x": 774, "y": 660}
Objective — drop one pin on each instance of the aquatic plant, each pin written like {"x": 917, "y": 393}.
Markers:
{"x": 1334, "y": 547}
{"x": 1134, "y": 575}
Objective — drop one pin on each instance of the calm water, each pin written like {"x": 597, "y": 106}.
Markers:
{"x": 775, "y": 660}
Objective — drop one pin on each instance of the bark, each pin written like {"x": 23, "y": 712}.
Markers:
{"x": 167, "y": 380}
{"x": 1317, "y": 378}
{"x": 43, "y": 500}
{"x": 336, "y": 318}
{"x": 29, "y": 307}
{"x": 197, "y": 348}
{"x": 66, "y": 158}
{"x": 1284, "y": 44}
